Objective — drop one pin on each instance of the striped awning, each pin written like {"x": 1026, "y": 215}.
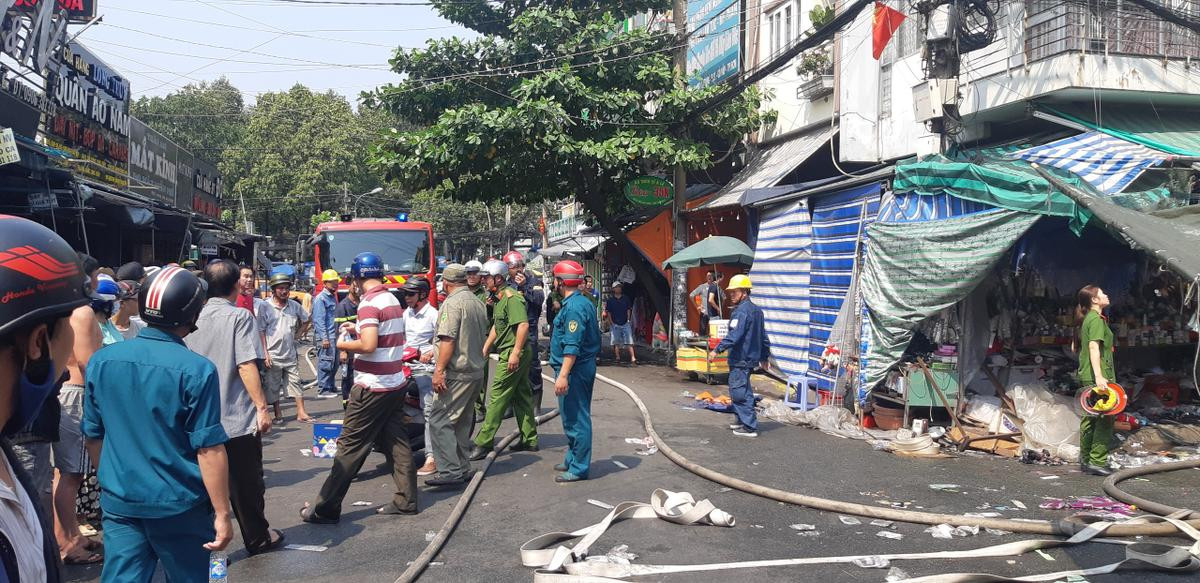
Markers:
{"x": 781, "y": 276}
{"x": 769, "y": 166}
{"x": 1106, "y": 162}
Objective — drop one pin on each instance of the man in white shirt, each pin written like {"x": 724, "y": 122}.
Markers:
{"x": 420, "y": 322}
{"x": 283, "y": 319}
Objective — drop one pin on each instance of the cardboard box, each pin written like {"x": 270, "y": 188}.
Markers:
{"x": 325, "y": 435}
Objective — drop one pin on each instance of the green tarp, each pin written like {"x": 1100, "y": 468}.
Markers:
{"x": 713, "y": 250}
{"x": 1164, "y": 129}
{"x": 914, "y": 270}
{"x": 1007, "y": 184}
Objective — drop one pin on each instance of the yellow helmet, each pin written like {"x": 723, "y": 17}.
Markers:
{"x": 331, "y": 275}
{"x": 739, "y": 281}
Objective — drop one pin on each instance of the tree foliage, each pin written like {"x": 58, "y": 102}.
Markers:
{"x": 556, "y": 103}
{"x": 205, "y": 118}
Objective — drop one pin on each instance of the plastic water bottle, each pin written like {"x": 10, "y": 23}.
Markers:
{"x": 218, "y": 567}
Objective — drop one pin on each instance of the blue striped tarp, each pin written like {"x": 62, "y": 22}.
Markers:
{"x": 914, "y": 207}
{"x": 1106, "y": 162}
{"x": 780, "y": 276}
{"x": 839, "y": 221}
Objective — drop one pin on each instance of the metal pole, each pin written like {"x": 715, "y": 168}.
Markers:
{"x": 678, "y": 319}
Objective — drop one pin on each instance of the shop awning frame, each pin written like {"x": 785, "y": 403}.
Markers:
{"x": 574, "y": 245}
{"x": 771, "y": 197}
{"x": 772, "y": 163}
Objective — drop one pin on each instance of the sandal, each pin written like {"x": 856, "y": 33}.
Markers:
{"x": 391, "y": 508}
{"x": 306, "y": 516}
{"x": 276, "y": 541}
{"x": 89, "y": 558}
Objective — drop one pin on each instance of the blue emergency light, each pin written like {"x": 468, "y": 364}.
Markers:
{"x": 402, "y": 217}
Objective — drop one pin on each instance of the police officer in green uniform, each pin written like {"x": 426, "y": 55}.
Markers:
{"x": 510, "y": 329}
{"x": 1095, "y": 369}
{"x": 573, "y": 349}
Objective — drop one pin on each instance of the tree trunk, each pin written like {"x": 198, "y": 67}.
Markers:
{"x": 650, "y": 277}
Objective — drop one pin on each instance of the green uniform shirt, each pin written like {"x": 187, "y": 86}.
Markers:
{"x": 463, "y": 318}
{"x": 1095, "y": 329}
{"x": 507, "y": 314}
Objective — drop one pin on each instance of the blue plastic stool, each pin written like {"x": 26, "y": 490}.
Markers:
{"x": 801, "y": 384}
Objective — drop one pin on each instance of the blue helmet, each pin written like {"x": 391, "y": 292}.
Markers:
{"x": 367, "y": 265}
{"x": 105, "y": 294}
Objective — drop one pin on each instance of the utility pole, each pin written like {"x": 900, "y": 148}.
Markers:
{"x": 345, "y": 199}
{"x": 678, "y": 320}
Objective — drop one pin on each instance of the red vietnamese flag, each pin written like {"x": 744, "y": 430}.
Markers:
{"x": 887, "y": 20}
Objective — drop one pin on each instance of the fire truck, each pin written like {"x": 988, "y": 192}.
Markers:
{"x": 406, "y": 248}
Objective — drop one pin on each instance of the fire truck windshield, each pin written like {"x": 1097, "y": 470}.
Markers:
{"x": 403, "y": 252}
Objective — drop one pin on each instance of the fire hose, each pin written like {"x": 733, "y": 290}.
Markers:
{"x": 1076, "y": 530}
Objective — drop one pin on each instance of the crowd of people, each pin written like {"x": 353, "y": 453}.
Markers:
{"x": 160, "y": 383}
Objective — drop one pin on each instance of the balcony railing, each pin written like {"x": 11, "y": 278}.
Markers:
{"x": 565, "y": 227}
{"x": 1109, "y": 27}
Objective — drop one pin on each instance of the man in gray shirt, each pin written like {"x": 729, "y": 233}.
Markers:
{"x": 228, "y": 336}
{"x": 458, "y": 376}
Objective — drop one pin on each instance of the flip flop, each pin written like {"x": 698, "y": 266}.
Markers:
{"x": 277, "y": 538}
{"x": 310, "y": 420}
{"x": 390, "y": 509}
{"x": 89, "y": 559}
{"x": 306, "y": 516}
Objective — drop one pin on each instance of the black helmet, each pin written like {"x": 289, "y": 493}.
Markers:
{"x": 417, "y": 284}
{"x": 278, "y": 279}
{"x": 39, "y": 274}
{"x": 172, "y": 297}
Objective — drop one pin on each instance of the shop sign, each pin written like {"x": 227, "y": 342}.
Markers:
{"x": 42, "y": 201}
{"x": 34, "y": 34}
{"x": 206, "y": 188}
{"x": 649, "y": 191}
{"x": 153, "y": 163}
{"x": 77, "y": 10}
{"x": 9, "y": 154}
{"x": 715, "y": 46}
{"x": 93, "y": 72}
{"x": 208, "y": 250}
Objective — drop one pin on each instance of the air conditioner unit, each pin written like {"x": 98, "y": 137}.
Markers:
{"x": 930, "y": 97}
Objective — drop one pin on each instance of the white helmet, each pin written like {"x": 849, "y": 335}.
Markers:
{"x": 495, "y": 267}
{"x": 473, "y": 266}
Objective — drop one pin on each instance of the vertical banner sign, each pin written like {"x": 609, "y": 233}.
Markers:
{"x": 9, "y": 154}
{"x": 714, "y": 48}
{"x": 153, "y": 163}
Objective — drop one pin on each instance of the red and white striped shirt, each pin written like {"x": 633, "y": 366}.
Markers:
{"x": 382, "y": 371}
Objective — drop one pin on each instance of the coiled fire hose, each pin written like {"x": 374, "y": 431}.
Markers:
{"x": 1065, "y": 528}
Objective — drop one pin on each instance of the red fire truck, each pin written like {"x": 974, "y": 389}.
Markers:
{"x": 406, "y": 248}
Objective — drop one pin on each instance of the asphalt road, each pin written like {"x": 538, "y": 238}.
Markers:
{"x": 519, "y": 500}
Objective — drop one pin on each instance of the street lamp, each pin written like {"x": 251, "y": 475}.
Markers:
{"x": 347, "y": 210}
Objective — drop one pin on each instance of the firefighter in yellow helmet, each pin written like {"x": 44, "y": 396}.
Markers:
{"x": 325, "y": 334}
{"x": 748, "y": 348}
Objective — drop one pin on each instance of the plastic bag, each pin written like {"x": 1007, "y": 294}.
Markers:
{"x": 1051, "y": 422}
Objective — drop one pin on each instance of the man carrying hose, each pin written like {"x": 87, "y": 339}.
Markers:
{"x": 573, "y": 349}
{"x": 748, "y": 347}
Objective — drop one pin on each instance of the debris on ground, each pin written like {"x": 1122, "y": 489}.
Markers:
{"x": 429, "y": 536}
{"x": 603, "y": 505}
{"x": 361, "y": 503}
{"x": 804, "y": 527}
{"x": 872, "y": 562}
{"x": 619, "y": 464}
{"x": 1019, "y": 504}
{"x": 311, "y": 548}
{"x": 889, "y": 534}
{"x": 849, "y": 520}
{"x": 881, "y": 523}
{"x": 945, "y": 487}
{"x": 1101, "y": 503}
{"x": 643, "y": 441}
{"x": 945, "y": 531}
{"x": 618, "y": 555}
{"x": 896, "y": 574}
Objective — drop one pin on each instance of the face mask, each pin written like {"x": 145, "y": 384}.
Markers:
{"x": 31, "y": 395}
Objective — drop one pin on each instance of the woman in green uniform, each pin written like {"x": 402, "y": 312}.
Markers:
{"x": 1095, "y": 369}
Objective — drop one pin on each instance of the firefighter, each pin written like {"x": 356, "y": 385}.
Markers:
{"x": 748, "y": 347}
{"x": 573, "y": 349}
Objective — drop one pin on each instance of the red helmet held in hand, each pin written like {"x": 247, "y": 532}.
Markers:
{"x": 570, "y": 272}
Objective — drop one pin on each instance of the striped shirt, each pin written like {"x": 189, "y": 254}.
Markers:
{"x": 382, "y": 371}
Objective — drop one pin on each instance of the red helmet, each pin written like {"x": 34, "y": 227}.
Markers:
{"x": 514, "y": 258}
{"x": 570, "y": 272}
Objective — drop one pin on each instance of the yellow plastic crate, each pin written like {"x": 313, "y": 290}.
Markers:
{"x": 696, "y": 360}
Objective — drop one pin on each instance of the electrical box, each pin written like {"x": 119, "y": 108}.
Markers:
{"x": 940, "y": 24}
{"x": 931, "y": 96}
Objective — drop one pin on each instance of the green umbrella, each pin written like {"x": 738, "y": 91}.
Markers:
{"x": 712, "y": 251}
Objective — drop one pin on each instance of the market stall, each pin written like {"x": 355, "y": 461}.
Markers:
{"x": 693, "y": 349}
{"x": 971, "y": 308}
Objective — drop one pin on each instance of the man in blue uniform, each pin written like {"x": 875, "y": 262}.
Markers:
{"x": 152, "y": 418}
{"x": 748, "y": 347}
{"x": 573, "y": 349}
{"x": 325, "y": 334}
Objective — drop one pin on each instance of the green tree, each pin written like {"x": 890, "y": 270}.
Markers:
{"x": 207, "y": 118}
{"x": 551, "y": 101}
{"x": 300, "y": 150}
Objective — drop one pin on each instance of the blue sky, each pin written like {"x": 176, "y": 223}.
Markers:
{"x": 260, "y": 45}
